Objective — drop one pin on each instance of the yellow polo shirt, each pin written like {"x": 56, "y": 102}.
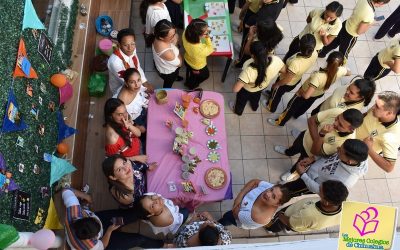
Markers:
{"x": 249, "y": 74}
{"x": 318, "y": 79}
{"x": 306, "y": 215}
{"x": 363, "y": 12}
{"x": 336, "y": 100}
{"x": 332, "y": 140}
{"x": 298, "y": 65}
{"x": 389, "y": 54}
{"x": 254, "y": 5}
{"x": 386, "y": 138}
{"x": 317, "y": 23}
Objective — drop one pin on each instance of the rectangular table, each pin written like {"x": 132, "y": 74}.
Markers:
{"x": 160, "y": 140}
{"x": 196, "y": 9}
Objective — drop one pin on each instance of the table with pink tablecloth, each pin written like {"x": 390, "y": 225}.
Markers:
{"x": 159, "y": 146}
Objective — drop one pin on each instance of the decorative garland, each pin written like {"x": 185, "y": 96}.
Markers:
{"x": 34, "y": 183}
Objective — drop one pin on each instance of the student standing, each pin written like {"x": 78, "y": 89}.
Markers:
{"x": 123, "y": 58}
{"x": 381, "y": 130}
{"x": 323, "y": 24}
{"x": 358, "y": 23}
{"x": 312, "y": 89}
{"x": 257, "y": 74}
{"x": 312, "y": 213}
{"x": 347, "y": 165}
{"x": 357, "y": 94}
{"x": 391, "y": 26}
{"x": 326, "y": 132}
{"x": 384, "y": 62}
{"x": 152, "y": 11}
{"x": 296, "y": 66}
{"x": 165, "y": 52}
{"x": 198, "y": 47}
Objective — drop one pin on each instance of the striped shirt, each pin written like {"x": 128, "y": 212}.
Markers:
{"x": 73, "y": 213}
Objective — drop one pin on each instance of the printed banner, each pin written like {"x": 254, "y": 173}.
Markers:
{"x": 367, "y": 226}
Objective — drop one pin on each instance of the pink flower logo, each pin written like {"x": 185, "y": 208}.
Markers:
{"x": 365, "y": 222}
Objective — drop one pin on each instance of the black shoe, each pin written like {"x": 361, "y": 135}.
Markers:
{"x": 321, "y": 55}
{"x": 179, "y": 78}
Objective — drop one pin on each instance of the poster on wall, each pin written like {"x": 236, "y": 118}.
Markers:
{"x": 367, "y": 226}
{"x": 45, "y": 47}
{"x": 21, "y": 205}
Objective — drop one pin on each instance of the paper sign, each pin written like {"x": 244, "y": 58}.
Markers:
{"x": 21, "y": 205}
{"x": 45, "y": 47}
{"x": 367, "y": 226}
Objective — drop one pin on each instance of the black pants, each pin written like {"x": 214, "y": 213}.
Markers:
{"x": 294, "y": 47}
{"x": 121, "y": 240}
{"x": 241, "y": 100}
{"x": 277, "y": 94}
{"x": 344, "y": 41}
{"x": 228, "y": 219}
{"x": 231, "y": 5}
{"x": 390, "y": 26}
{"x": 317, "y": 109}
{"x": 194, "y": 77}
{"x": 170, "y": 78}
{"x": 275, "y": 225}
{"x": 295, "y": 108}
{"x": 297, "y": 188}
{"x": 175, "y": 13}
{"x": 375, "y": 70}
{"x": 249, "y": 15}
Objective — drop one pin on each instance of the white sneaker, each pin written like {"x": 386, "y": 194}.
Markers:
{"x": 280, "y": 149}
{"x": 264, "y": 103}
{"x": 231, "y": 105}
{"x": 295, "y": 133}
{"x": 272, "y": 122}
{"x": 285, "y": 176}
{"x": 266, "y": 93}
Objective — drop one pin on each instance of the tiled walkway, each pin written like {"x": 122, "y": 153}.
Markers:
{"x": 250, "y": 137}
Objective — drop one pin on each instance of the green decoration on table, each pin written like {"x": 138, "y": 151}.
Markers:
{"x": 12, "y": 13}
{"x": 8, "y": 235}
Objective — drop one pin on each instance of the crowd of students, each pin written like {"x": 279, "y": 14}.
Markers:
{"x": 332, "y": 151}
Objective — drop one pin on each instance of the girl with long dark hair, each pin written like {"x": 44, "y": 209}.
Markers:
{"x": 122, "y": 137}
{"x": 257, "y": 74}
{"x": 313, "y": 88}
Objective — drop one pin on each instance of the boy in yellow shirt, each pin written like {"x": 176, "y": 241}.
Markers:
{"x": 312, "y": 213}
{"x": 381, "y": 130}
{"x": 384, "y": 61}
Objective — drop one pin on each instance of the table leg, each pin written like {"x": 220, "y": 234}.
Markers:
{"x": 228, "y": 63}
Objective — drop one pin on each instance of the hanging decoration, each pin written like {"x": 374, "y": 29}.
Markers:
{"x": 23, "y": 67}
{"x": 58, "y": 80}
{"x": 66, "y": 93}
{"x": 12, "y": 117}
{"x": 6, "y": 182}
{"x": 64, "y": 131}
{"x": 59, "y": 168}
{"x": 31, "y": 20}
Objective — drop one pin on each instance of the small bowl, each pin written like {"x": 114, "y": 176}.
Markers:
{"x": 185, "y": 167}
{"x": 161, "y": 97}
{"x": 185, "y": 175}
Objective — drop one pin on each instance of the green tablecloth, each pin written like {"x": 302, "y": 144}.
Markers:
{"x": 196, "y": 9}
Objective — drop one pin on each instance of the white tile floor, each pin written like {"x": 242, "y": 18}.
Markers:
{"x": 251, "y": 138}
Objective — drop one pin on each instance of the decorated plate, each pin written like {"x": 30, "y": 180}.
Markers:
{"x": 215, "y": 178}
{"x": 213, "y": 156}
{"x": 211, "y": 130}
{"x": 213, "y": 144}
{"x": 209, "y": 109}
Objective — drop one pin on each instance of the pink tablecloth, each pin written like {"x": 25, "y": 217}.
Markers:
{"x": 159, "y": 149}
